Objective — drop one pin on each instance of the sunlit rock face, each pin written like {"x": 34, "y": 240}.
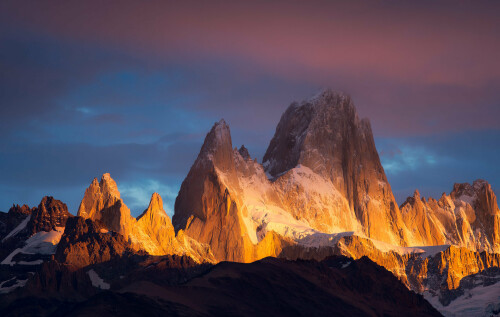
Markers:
{"x": 209, "y": 207}
{"x": 324, "y": 140}
{"x": 155, "y": 223}
{"x": 468, "y": 217}
{"x": 421, "y": 269}
{"x": 102, "y": 202}
{"x": 321, "y": 175}
{"x": 151, "y": 232}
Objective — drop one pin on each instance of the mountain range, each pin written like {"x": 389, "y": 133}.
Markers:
{"x": 316, "y": 218}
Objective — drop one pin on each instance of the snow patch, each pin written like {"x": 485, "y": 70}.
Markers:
{"x": 431, "y": 251}
{"x": 346, "y": 264}
{"x": 424, "y": 252}
{"x": 320, "y": 239}
{"x": 8, "y": 289}
{"x": 17, "y": 229}
{"x": 8, "y": 259}
{"x": 36, "y": 262}
{"x": 97, "y": 281}
{"x": 43, "y": 242}
{"x": 479, "y": 301}
{"x": 40, "y": 243}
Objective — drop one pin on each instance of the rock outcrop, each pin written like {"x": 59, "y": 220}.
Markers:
{"x": 33, "y": 231}
{"x": 102, "y": 202}
{"x": 22, "y": 222}
{"x": 13, "y": 218}
{"x": 420, "y": 269}
{"x": 87, "y": 242}
{"x": 468, "y": 217}
{"x": 151, "y": 232}
{"x": 50, "y": 215}
{"x": 477, "y": 295}
{"x": 209, "y": 207}
{"x": 325, "y": 135}
{"x": 155, "y": 223}
{"x": 31, "y": 240}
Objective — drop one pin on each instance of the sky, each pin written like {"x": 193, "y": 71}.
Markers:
{"x": 132, "y": 88}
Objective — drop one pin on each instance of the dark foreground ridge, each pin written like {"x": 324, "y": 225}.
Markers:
{"x": 138, "y": 285}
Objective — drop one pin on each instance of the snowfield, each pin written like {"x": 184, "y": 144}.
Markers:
{"x": 479, "y": 301}
{"x": 40, "y": 243}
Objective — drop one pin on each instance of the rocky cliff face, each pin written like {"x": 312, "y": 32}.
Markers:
{"x": 30, "y": 239}
{"x": 477, "y": 295}
{"x": 102, "y": 202}
{"x": 151, "y": 232}
{"x": 155, "y": 223}
{"x": 421, "y": 269}
{"x": 50, "y": 215}
{"x": 321, "y": 175}
{"x": 228, "y": 202}
{"x": 325, "y": 135}
{"x": 209, "y": 207}
{"x": 468, "y": 217}
{"x": 33, "y": 225}
{"x": 87, "y": 242}
{"x": 13, "y": 218}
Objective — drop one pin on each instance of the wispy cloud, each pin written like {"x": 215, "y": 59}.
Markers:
{"x": 404, "y": 158}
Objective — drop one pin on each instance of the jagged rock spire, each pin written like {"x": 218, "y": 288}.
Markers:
{"x": 155, "y": 222}
{"x": 468, "y": 217}
{"x": 108, "y": 186}
{"x": 155, "y": 207}
{"x": 217, "y": 147}
{"x": 50, "y": 214}
{"x": 102, "y": 201}
{"x": 216, "y": 154}
{"x": 244, "y": 152}
{"x": 98, "y": 196}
